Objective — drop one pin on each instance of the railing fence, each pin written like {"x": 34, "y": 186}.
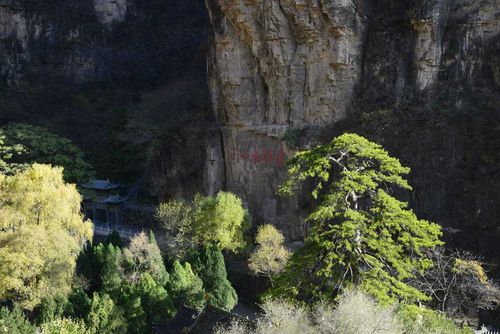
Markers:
{"x": 124, "y": 231}
{"x": 486, "y": 330}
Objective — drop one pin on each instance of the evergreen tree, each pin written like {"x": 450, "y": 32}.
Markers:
{"x": 186, "y": 287}
{"x": 51, "y": 308}
{"x": 155, "y": 301}
{"x": 361, "y": 235}
{"x": 105, "y": 317}
{"x": 111, "y": 274}
{"x": 14, "y": 321}
{"x": 209, "y": 265}
{"x": 78, "y": 305}
{"x": 130, "y": 300}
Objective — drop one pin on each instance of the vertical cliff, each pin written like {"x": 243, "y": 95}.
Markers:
{"x": 421, "y": 76}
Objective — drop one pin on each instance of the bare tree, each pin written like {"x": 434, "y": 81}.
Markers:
{"x": 458, "y": 284}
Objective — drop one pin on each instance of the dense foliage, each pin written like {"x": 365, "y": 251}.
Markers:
{"x": 361, "y": 235}
{"x": 41, "y": 233}
{"x": 361, "y": 238}
{"x": 186, "y": 286}
{"x": 209, "y": 265}
{"x": 29, "y": 144}
{"x": 218, "y": 220}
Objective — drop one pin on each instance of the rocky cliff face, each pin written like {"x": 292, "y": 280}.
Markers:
{"x": 121, "y": 78}
{"x": 420, "y": 76}
{"x": 126, "y": 77}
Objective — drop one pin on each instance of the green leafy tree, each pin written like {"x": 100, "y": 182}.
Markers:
{"x": 29, "y": 144}
{"x": 209, "y": 265}
{"x": 7, "y": 154}
{"x": 42, "y": 231}
{"x": 220, "y": 221}
{"x": 14, "y": 321}
{"x": 186, "y": 286}
{"x": 360, "y": 235}
{"x": 217, "y": 220}
{"x": 105, "y": 317}
{"x": 271, "y": 256}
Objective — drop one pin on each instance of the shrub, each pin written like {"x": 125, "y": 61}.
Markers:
{"x": 419, "y": 320}
{"x": 356, "y": 313}
{"x": 64, "y": 326}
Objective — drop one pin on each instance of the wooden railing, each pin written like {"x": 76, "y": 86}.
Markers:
{"x": 126, "y": 232}
{"x": 486, "y": 330}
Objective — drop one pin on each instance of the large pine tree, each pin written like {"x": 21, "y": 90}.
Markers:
{"x": 361, "y": 235}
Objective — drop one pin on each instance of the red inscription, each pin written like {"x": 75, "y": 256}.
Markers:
{"x": 262, "y": 156}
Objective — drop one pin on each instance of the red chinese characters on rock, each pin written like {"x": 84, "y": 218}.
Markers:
{"x": 262, "y": 156}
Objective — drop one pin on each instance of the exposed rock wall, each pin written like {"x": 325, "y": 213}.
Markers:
{"x": 276, "y": 65}
{"x": 421, "y": 76}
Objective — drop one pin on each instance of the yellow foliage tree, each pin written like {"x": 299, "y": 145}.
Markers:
{"x": 271, "y": 256}
{"x": 41, "y": 233}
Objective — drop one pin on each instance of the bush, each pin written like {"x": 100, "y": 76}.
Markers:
{"x": 356, "y": 313}
{"x": 282, "y": 317}
{"x": 64, "y": 326}
{"x": 418, "y": 320}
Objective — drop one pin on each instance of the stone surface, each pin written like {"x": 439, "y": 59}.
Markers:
{"x": 421, "y": 77}
{"x": 110, "y": 11}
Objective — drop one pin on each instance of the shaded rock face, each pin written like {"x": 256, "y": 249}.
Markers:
{"x": 421, "y": 77}
{"x": 118, "y": 77}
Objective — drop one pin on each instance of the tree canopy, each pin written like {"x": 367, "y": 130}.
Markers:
{"x": 25, "y": 144}
{"x": 270, "y": 256}
{"x": 42, "y": 231}
{"x": 361, "y": 235}
{"x": 219, "y": 220}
